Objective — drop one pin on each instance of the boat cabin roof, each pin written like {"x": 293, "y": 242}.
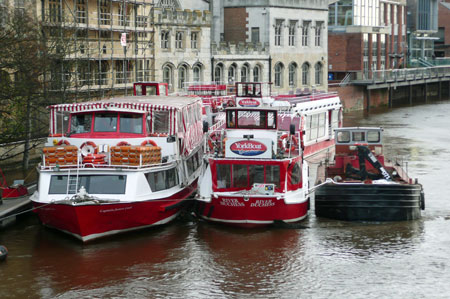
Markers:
{"x": 358, "y": 135}
{"x": 139, "y": 103}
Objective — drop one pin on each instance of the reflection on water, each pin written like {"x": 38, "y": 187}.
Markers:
{"x": 327, "y": 259}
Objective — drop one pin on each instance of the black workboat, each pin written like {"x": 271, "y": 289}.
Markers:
{"x": 362, "y": 186}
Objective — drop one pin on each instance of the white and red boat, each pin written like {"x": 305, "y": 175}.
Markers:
{"x": 120, "y": 164}
{"x": 257, "y": 173}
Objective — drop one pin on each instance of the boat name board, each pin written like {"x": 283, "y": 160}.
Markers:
{"x": 248, "y": 102}
{"x": 248, "y": 148}
{"x": 234, "y": 202}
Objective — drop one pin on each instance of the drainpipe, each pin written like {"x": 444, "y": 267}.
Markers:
{"x": 270, "y": 69}
{"x": 212, "y": 69}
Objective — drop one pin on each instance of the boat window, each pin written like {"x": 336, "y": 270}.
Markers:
{"x": 194, "y": 162}
{"x": 138, "y": 89}
{"x": 358, "y": 136}
{"x": 314, "y": 126}
{"x": 162, "y": 180}
{"x": 239, "y": 176}
{"x": 131, "y": 123}
{"x": 271, "y": 122}
{"x": 162, "y": 90}
{"x": 343, "y": 137}
{"x": 373, "y": 136}
{"x": 334, "y": 119}
{"x": 150, "y": 90}
{"x": 250, "y": 120}
{"x": 223, "y": 176}
{"x": 322, "y": 124}
{"x": 231, "y": 119}
{"x": 273, "y": 175}
{"x": 256, "y": 174}
{"x": 94, "y": 184}
{"x": 105, "y": 122}
{"x": 296, "y": 176}
{"x": 81, "y": 123}
{"x": 161, "y": 121}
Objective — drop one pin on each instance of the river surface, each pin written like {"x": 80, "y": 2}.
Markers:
{"x": 321, "y": 259}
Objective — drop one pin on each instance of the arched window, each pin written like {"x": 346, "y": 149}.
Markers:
{"x": 305, "y": 74}
{"x": 293, "y": 74}
{"x": 256, "y": 73}
{"x": 167, "y": 76}
{"x": 231, "y": 74}
{"x": 218, "y": 73}
{"x": 318, "y": 73}
{"x": 179, "y": 40}
{"x": 244, "y": 73}
{"x": 182, "y": 76}
{"x": 279, "y": 75}
{"x": 197, "y": 72}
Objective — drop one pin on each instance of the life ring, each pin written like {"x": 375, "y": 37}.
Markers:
{"x": 3, "y": 253}
{"x": 294, "y": 143}
{"x": 88, "y": 148}
{"x": 148, "y": 141}
{"x": 123, "y": 143}
{"x": 231, "y": 103}
{"x": 63, "y": 142}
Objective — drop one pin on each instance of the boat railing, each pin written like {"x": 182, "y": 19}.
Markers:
{"x": 312, "y": 97}
{"x": 400, "y": 165}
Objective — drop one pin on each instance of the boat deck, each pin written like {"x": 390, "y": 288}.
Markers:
{"x": 14, "y": 206}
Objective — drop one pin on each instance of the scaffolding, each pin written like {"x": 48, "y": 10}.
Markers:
{"x": 98, "y": 60}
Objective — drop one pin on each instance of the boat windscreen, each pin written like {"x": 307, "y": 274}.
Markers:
{"x": 94, "y": 184}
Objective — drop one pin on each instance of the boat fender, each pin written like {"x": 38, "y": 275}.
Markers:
{"x": 88, "y": 148}
{"x": 148, "y": 141}
{"x": 211, "y": 209}
{"x": 422, "y": 200}
{"x": 63, "y": 142}
{"x": 123, "y": 143}
{"x": 3, "y": 253}
{"x": 286, "y": 149}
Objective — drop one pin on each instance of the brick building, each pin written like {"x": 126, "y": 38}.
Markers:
{"x": 365, "y": 36}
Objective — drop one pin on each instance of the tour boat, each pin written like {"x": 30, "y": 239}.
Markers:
{"x": 362, "y": 185}
{"x": 256, "y": 172}
{"x": 119, "y": 164}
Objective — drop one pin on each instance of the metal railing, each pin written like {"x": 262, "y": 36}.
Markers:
{"x": 393, "y": 75}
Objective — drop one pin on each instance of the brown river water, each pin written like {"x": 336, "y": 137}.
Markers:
{"x": 320, "y": 259}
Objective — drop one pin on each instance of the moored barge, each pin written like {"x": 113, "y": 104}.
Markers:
{"x": 362, "y": 185}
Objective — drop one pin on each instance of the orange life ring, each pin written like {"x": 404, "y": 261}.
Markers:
{"x": 87, "y": 148}
{"x": 123, "y": 143}
{"x": 63, "y": 142}
{"x": 148, "y": 141}
{"x": 287, "y": 149}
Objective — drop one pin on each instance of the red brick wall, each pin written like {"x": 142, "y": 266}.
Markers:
{"x": 352, "y": 97}
{"x": 443, "y": 21}
{"x": 235, "y": 24}
{"x": 345, "y": 51}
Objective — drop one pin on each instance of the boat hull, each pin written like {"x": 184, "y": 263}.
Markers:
{"x": 92, "y": 221}
{"x": 251, "y": 212}
{"x": 369, "y": 202}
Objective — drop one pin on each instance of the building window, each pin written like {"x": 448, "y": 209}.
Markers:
{"x": 218, "y": 74}
{"x": 54, "y": 12}
{"x": 293, "y": 74}
{"x": 105, "y": 12}
{"x": 318, "y": 34}
{"x": 167, "y": 76}
{"x": 244, "y": 73}
{"x": 292, "y": 33}
{"x": 197, "y": 72}
{"x": 256, "y": 74}
{"x": 165, "y": 40}
{"x": 194, "y": 40}
{"x": 231, "y": 74}
{"x": 318, "y": 73}
{"x": 3, "y": 13}
{"x": 305, "y": 74}
{"x": 255, "y": 35}
{"x": 182, "y": 77}
{"x": 179, "y": 40}
{"x": 278, "y": 74}
{"x": 278, "y": 30}
{"x": 305, "y": 34}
